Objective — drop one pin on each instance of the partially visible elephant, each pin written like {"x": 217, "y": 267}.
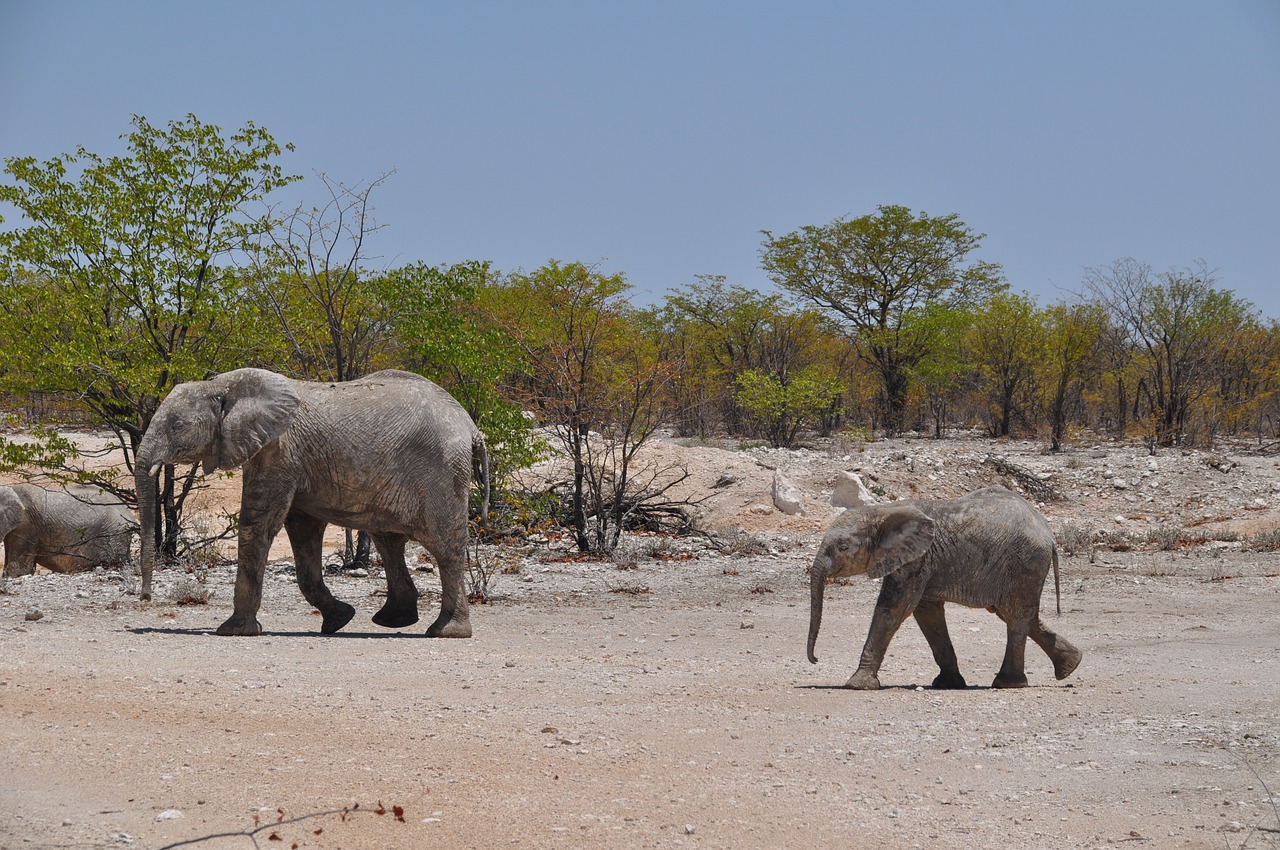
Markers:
{"x": 988, "y": 549}
{"x": 391, "y": 453}
{"x": 67, "y": 531}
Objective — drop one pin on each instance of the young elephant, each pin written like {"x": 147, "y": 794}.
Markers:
{"x": 391, "y": 453}
{"x": 66, "y": 531}
{"x": 988, "y": 549}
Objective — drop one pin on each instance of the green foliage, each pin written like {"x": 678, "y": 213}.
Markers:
{"x": 119, "y": 280}
{"x": 113, "y": 289}
{"x": 782, "y": 409}
{"x": 874, "y": 274}
{"x": 594, "y": 373}
{"x": 443, "y": 328}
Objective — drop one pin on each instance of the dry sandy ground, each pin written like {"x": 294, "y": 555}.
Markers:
{"x": 588, "y": 713}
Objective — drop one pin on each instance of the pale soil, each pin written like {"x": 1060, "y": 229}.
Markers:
{"x": 587, "y": 713}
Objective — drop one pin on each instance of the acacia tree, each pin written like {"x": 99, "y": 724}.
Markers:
{"x": 1007, "y": 346}
{"x": 725, "y": 332}
{"x": 443, "y": 326}
{"x": 1183, "y": 327}
{"x": 120, "y": 279}
{"x": 873, "y": 273}
{"x": 594, "y": 381}
{"x": 1074, "y": 334}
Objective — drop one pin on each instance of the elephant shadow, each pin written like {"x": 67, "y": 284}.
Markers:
{"x": 894, "y": 688}
{"x": 161, "y": 630}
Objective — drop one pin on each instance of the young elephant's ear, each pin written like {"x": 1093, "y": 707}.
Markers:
{"x": 905, "y": 533}
{"x": 257, "y": 407}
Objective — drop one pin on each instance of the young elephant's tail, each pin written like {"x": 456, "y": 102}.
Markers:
{"x": 1057, "y": 589}
{"x": 480, "y": 468}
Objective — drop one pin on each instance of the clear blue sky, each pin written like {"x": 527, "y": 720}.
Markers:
{"x": 658, "y": 138}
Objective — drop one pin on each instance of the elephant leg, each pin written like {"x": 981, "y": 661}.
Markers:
{"x": 932, "y": 620}
{"x": 898, "y": 598}
{"x": 450, "y": 551}
{"x": 306, "y": 536}
{"x": 1012, "y": 672}
{"x": 19, "y": 557}
{"x": 401, "y": 608}
{"x": 1064, "y": 655}
{"x": 261, "y": 518}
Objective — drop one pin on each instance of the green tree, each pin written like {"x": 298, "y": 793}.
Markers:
{"x": 1183, "y": 328}
{"x": 1008, "y": 346}
{"x": 724, "y": 331}
{"x": 782, "y": 407}
{"x": 873, "y": 273}
{"x": 120, "y": 279}
{"x": 443, "y": 327}
{"x": 1074, "y": 338}
{"x": 946, "y": 370}
{"x": 594, "y": 381}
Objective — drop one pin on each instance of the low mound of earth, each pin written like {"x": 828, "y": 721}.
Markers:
{"x": 662, "y": 698}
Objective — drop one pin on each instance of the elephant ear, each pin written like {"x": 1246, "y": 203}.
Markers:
{"x": 905, "y": 534}
{"x": 257, "y": 407}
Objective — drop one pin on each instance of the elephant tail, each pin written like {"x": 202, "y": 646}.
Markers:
{"x": 480, "y": 468}
{"x": 1057, "y": 587}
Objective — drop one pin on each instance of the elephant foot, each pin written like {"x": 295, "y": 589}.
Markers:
{"x": 1016, "y": 681}
{"x": 1067, "y": 662}
{"x": 454, "y": 628}
{"x": 397, "y": 617}
{"x": 863, "y": 681}
{"x": 241, "y": 627}
{"x": 950, "y": 680}
{"x": 336, "y": 617}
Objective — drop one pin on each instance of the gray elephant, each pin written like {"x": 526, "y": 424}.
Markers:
{"x": 988, "y": 549}
{"x": 391, "y": 453}
{"x": 67, "y": 531}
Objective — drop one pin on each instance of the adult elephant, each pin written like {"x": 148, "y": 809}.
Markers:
{"x": 391, "y": 453}
{"x": 66, "y": 531}
{"x": 988, "y": 549}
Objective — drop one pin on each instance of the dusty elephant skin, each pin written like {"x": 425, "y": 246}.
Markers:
{"x": 989, "y": 549}
{"x": 65, "y": 531}
{"x": 391, "y": 453}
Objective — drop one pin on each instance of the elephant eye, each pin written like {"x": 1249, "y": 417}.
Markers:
{"x": 843, "y": 545}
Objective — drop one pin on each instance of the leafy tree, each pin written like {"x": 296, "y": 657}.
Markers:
{"x": 725, "y": 331}
{"x": 443, "y": 327}
{"x": 594, "y": 381}
{"x": 946, "y": 371}
{"x": 1008, "y": 345}
{"x": 1074, "y": 336}
{"x": 1181, "y": 325}
{"x": 120, "y": 280}
{"x": 873, "y": 273}
{"x": 783, "y": 407}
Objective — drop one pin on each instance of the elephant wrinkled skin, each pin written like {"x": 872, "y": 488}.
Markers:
{"x": 65, "y": 531}
{"x": 988, "y": 549}
{"x": 391, "y": 453}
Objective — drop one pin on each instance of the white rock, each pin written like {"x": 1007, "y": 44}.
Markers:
{"x": 850, "y": 492}
{"x": 787, "y": 497}
{"x": 169, "y": 814}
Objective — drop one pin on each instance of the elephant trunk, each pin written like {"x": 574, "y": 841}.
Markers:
{"x": 817, "y": 586}
{"x": 145, "y": 484}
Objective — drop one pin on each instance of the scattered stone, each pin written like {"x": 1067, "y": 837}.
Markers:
{"x": 787, "y": 497}
{"x": 34, "y": 614}
{"x": 850, "y": 492}
{"x": 169, "y": 814}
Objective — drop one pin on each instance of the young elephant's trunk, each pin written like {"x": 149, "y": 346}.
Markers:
{"x": 817, "y": 585}
{"x": 144, "y": 481}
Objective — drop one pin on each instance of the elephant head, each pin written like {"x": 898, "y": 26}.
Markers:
{"x": 874, "y": 540}
{"x": 220, "y": 423}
